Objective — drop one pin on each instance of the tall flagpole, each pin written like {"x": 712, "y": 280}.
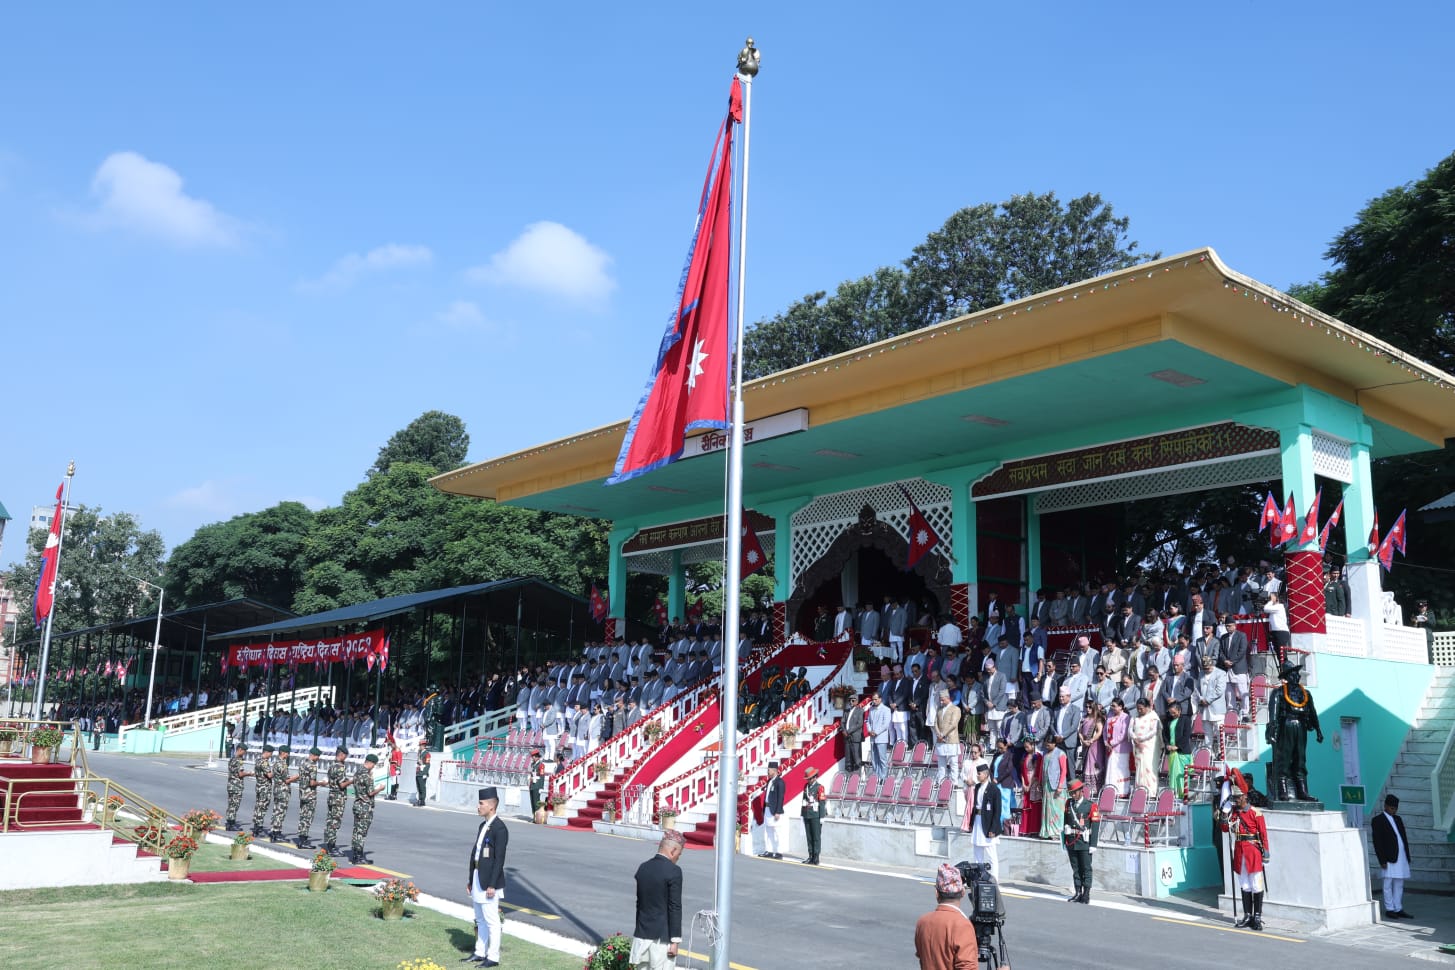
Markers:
{"x": 45, "y": 640}
{"x": 727, "y": 789}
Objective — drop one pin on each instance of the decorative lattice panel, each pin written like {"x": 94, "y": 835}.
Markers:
{"x": 1332, "y": 457}
{"x": 819, "y": 523}
{"x": 657, "y": 563}
{"x": 1445, "y": 651}
{"x": 1189, "y": 478}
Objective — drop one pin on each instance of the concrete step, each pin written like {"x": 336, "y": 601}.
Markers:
{"x": 1417, "y": 746}
{"x": 1412, "y": 759}
{"x": 1442, "y": 721}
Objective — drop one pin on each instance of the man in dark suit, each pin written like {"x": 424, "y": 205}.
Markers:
{"x": 852, "y": 727}
{"x": 773, "y": 813}
{"x": 1392, "y": 849}
{"x": 659, "y": 906}
{"x": 982, "y": 820}
{"x": 487, "y": 879}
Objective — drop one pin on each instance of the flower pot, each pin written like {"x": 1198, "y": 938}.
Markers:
{"x": 42, "y": 756}
{"x": 108, "y": 817}
{"x": 860, "y": 666}
{"x": 838, "y": 703}
{"x": 391, "y": 908}
{"x": 559, "y": 811}
{"x": 239, "y": 853}
{"x": 179, "y": 868}
{"x": 669, "y": 823}
{"x": 318, "y": 883}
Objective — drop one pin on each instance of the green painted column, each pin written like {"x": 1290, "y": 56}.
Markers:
{"x": 964, "y": 566}
{"x": 616, "y": 570}
{"x": 676, "y": 607}
{"x": 1033, "y": 554}
{"x": 781, "y": 511}
{"x": 1297, "y": 459}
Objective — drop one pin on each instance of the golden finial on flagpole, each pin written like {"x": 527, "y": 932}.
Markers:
{"x": 71, "y": 469}
{"x": 749, "y": 59}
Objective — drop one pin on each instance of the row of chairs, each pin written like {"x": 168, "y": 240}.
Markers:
{"x": 1154, "y": 816}
{"x": 500, "y": 766}
{"x": 900, "y": 798}
{"x": 524, "y": 740}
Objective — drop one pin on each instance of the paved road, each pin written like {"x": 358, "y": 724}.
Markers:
{"x": 579, "y": 884}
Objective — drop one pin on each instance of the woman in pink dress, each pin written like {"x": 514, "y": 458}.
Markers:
{"x": 1093, "y": 730}
{"x": 1118, "y": 749}
{"x": 1031, "y": 790}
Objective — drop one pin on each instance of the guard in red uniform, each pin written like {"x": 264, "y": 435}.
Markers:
{"x": 1250, "y": 853}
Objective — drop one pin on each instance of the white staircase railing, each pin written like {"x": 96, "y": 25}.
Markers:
{"x": 484, "y": 726}
{"x": 212, "y": 715}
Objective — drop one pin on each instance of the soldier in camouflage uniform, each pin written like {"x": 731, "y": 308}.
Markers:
{"x": 282, "y": 792}
{"x": 364, "y": 792}
{"x": 263, "y": 793}
{"x": 308, "y": 786}
{"x": 236, "y": 765}
{"x": 338, "y": 793}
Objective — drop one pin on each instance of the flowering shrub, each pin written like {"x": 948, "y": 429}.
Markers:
{"x": 323, "y": 861}
{"x": 611, "y": 954}
{"x": 243, "y": 838}
{"x": 396, "y": 890}
{"x": 46, "y": 738}
{"x": 558, "y": 799}
{"x": 202, "y": 820}
{"x": 113, "y": 802}
{"x": 423, "y": 963}
{"x": 181, "y": 847}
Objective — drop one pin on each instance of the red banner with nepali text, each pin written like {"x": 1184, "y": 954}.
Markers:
{"x": 345, "y": 649}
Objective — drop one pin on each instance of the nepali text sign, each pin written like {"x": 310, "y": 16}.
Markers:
{"x": 345, "y": 649}
{"x": 1210, "y": 443}
{"x": 773, "y": 426}
{"x": 690, "y": 533}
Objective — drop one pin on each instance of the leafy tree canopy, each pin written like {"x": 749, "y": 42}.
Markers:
{"x": 981, "y": 257}
{"x": 257, "y": 555}
{"x": 434, "y": 438}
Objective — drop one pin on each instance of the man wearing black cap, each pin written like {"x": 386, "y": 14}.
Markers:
{"x": 1079, "y": 831}
{"x": 486, "y": 882}
{"x": 983, "y": 819}
{"x": 658, "y": 928}
{"x": 813, "y": 813}
{"x": 772, "y": 813}
{"x": 1391, "y": 848}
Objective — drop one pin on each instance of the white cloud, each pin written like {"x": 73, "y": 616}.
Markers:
{"x": 347, "y": 270}
{"x": 209, "y": 498}
{"x": 464, "y": 315}
{"x": 553, "y": 259}
{"x": 145, "y": 196}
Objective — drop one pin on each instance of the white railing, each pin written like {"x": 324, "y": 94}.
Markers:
{"x": 1444, "y": 649}
{"x": 698, "y": 786}
{"x": 1442, "y": 786}
{"x": 212, "y": 715}
{"x": 1403, "y": 643}
{"x": 486, "y": 725}
{"x": 1344, "y": 637}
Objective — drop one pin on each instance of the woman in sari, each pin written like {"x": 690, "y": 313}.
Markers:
{"x": 1093, "y": 731}
{"x": 1146, "y": 735}
{"x": 1031, "y": 790}
{"x": 1118, "y": 748}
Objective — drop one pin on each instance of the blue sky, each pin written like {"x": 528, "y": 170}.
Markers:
{"x": 243, "y": 245}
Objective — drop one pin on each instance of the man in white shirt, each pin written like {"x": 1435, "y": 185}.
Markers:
{"x": 982, "y": 819}
{"x": 949, "y": 634}
{"x": 1391, "y": 848}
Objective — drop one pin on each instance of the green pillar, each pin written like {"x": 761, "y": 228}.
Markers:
{"x": 963, "y": 566}
{"x": 676, "y": 593}
{"x": 1297, "y": 456}
{"x": 616, "y": 570}
{"x": 781, "y": 511}
{"x": 1033, "y": 554}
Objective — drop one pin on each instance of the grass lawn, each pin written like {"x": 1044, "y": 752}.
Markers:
{"x": 235, "y": 926}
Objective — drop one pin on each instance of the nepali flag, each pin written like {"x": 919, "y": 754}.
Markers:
{"x": 1333, "y": 521}
{"x": 384, "y": 654}
{"x": 694, "y": 612}
{"x": 50, "y": 561}
{"x": 659, "y": 610}
{"x": 922, "y": 535}
{"x": 752, "y": 553}
{"x": 688, "y": 389}
{"x": 1393, "y": 540}
{"x": 1374, "y": 536}
{"x": 599, "y": 606}
{"x": 1288, "y": 522}
{"x": 1311, "y": 521}
{"x": 1270, "y": 513}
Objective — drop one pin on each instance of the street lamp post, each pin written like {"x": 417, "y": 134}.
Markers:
{"x": 156, "y": 645}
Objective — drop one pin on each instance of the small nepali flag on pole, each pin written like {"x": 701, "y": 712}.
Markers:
{"x": 1288, "y": 522}
{"x": 1269, "y": 518}
{"x": 694, "y": 612}
{"x": 1393, "y": 540}
{"x": 1374, "y": 537}
{"x": 599, "y": 607}
{"x": 752, "y": 553}
{"x": 688, "y": 389}
{"x": 50, "y": 561}
{"x": 922, "y": 535}
{"x": 384, "y": 654}
{"x": 659, "y": 610}
{"x": 1333, "y": 521}
{"x": 1311, "y": 521}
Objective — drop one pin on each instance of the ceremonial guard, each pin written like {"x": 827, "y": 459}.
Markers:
{"x": 813, "y": 813}
{"x": 338, "y": 793}
{"x": 1079, "y": 830}
{"x": 364, "y": 792}
{"x": 282, "y": 786}
{"x": 421, "y": 775}
{"x": 307, "y": 778}
{"x": 1250, "y": 852}
{"x": 236, "y": 765}
{"x": 263, "y": 788}
{"x": 1291, "y": 716}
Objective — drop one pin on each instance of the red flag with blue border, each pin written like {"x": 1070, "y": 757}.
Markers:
{"x": 50, "y": 562}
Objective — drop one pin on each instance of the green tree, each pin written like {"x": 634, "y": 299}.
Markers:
{"x": 981, "y": 257}
{"x": 257, "y": 555}
{"x": 435, "y": 438}
{"x": 103, "y": 560}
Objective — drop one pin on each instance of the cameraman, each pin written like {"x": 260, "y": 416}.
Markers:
{"x": 944, "y": 938}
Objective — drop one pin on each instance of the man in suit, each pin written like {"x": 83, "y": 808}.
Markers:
{"x": 919, "y": 705}
{"x": 773, "y": 813}
{"x": 658, "y": 930}
{"x": 486, "y": 881}
{"x": 852, "y": 728}
{"x": 982, "y": 819}
{"x": 1233, "y": 659}
{"x": 1391, "y": 848}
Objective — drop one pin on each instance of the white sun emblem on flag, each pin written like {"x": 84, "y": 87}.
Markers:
{"x": 921, "y": 538}
{"x": 695, "y": 369}
{"x": 752, "y": 557}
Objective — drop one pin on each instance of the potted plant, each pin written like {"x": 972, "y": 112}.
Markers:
{"x": 603, "y": 771}
{"x": 43, "y": 744}
{"x": 240, "y": 846}
{"x": 8, "y": 737}
{"x": 863, "y": 657}
{"x": 840, "y": 694}
{"x": 612, "y": 953}
{"x": 200, "y": 821}
{"x": 109, "y": 808}
{"x": 668, "y": 817}
{"x": 179, "y": 854}
{"x": 558, "y": 804}
{"x": 392, "y": 894}
{"x": 787, "y": 735}
{"x": 652, "y": 731}
{"x": 318, "y": 872}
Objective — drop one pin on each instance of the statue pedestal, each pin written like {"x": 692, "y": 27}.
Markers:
{"x": 1300, "y": 807}
{"x": 1318, "y": 877}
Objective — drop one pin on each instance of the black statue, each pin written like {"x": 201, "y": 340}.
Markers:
{"x": 1291, "y": 716}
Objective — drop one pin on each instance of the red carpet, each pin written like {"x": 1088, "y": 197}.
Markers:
{"x": 44, "y": 794}
{"x": 266, "y": 875}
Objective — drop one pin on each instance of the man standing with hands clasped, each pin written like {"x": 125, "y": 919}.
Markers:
{"x": 813, "y": 813}
{"x": 659, "y": 907}
{"x": 773, "y": 813}
{"x": 1392, "y": 849}
{"x": 1079, "y": 833}
{"x": 487, "y": 879}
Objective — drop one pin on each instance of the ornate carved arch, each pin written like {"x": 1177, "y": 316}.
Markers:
{"x": 870, "y": 533}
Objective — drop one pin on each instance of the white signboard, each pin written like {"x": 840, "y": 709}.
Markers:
{"x": 773, "y": 426}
